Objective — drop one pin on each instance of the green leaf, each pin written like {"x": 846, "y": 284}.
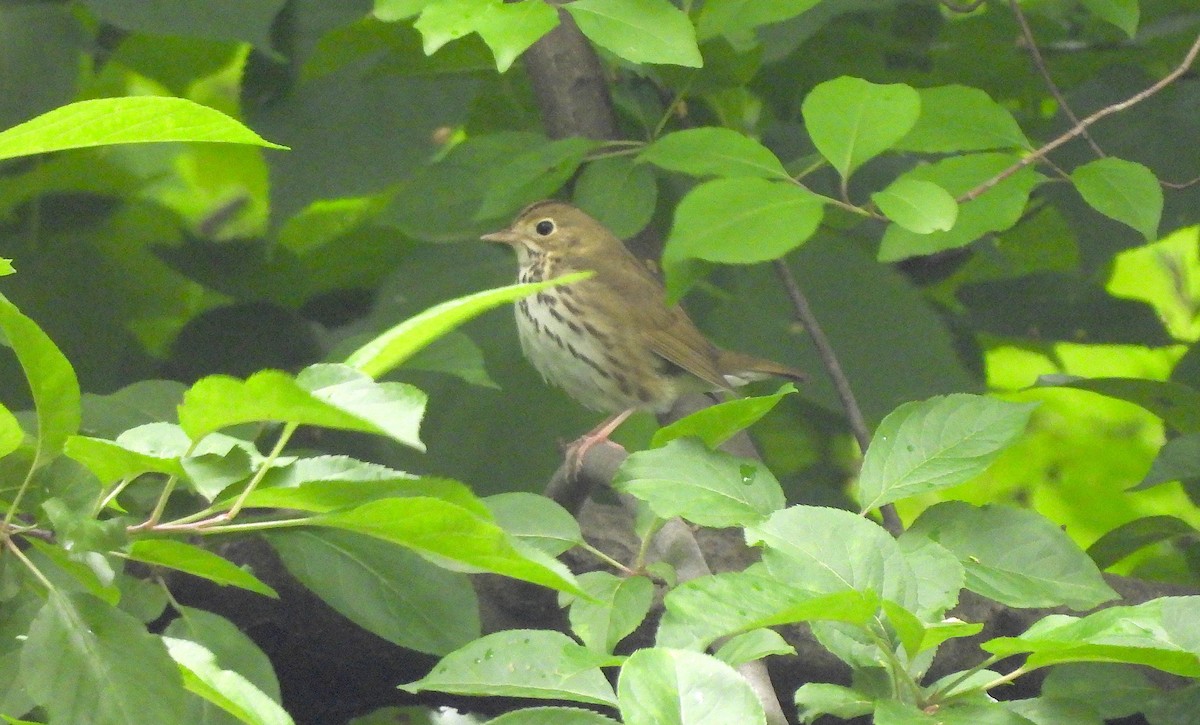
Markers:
{"x": 85, "y": 661}
{"x": 704, "y": 609}
{"x": 640, "y": 31}
{"x": 199, "y": 562}
{"x": 11, "y": 433}
{"x": 444, "y": 20}
{"x": 863, "y": 557}
{"x": 938, "y": 572}
{"x": 733, "y": 18}
{"x": 51, "y": 380}
{"x": 134, "y": 119}
{"x": 1121, "y": 13}
{"x": 821, "y": 698}
{"x": 1122, "y": 190}
{"x": 393, "y": 10}
{"x": 616, "y": 607}
{"x": 851, "y": 120}
{"x": 450, "y": 536}
{"x": 1160, "y": 633}
{"x": 740, "y": 221}
{"x": 1114, "y": 690}
{"x": 709, "y": 488}
{"x": 959, "y": 118}
{"x": 714, "y": 151}
{"x": 935, "y": 444}
{"x": 234, "y": 650}
{"x": 1177, "y": 404}
{"x": 753, "y": 645}
{"x": 382, "y": 588}
{"x": 536, "y": 521}
{"x": 226, "y": 689}
{"x": 718, "y": 423}
{"x": 500, "y": 664}
{"x": 659, "y": 686}
{"x": 453, "y": 354}
{"x": 510, "y": 28}
{"x": 1177, "y": 460}
{"x": 552, "y": 716}
{"x": 111, "y": 461}
{"x": 331, "y": 396}
{"x": 1016, "y": 557}
{"x": 996, "y": 209}
{"x": 617, "y": 192}
{"x": 393, "y": 347}
{"x": 1136, "y": 535}
{"x": 532, "y": 175}
{"x": 918, "y": 206}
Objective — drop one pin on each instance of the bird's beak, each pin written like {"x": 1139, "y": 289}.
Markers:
{"x": 504, "y": 236}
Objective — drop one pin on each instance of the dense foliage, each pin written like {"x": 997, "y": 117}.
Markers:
{"x": 243, "y": 311}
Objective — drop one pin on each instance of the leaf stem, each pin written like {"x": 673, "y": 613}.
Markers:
{"x": 606, "y": 558}
{"x": 16, "y": 550}
{"x": 284, "y": 436}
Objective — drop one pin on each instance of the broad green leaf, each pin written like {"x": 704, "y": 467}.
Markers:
{"x": 1016, "y": 557}
{"x": 450, "y": 536}
{"x": 510, "y": 28}
{"x": 640, "y": 31}
{"x": 617, "y": 192}
{"x": 821, "y": 698}
{"x": 718, "y": 423}
{"x": 87, "y": 571}
{"x": 918, "y": 206}
{"x": 960, "y": 118}
{"x": 709, "y": 488}
{"x": 87, "y": 662}
{"x": 1114, "y": 690}
{"x": 1160, "y": 633}
{"x": 740, "y": 221}
{"x": 500, "y": 664}
{"x": 227, "y": 689}
{"x": 1123, "y": 190}
{"x": 146, "y": 401}
{"x": 798, "y": 547}
{"x": 382, "y": 588}
{"x": 50, "y": 377}
{"x": 1121, "y": 13}
{"x": 325, "y": 220}
{"x": 536, "y": 521}
{"x": 935, "y": 444}
{"x": 714, "y": 151}
{"x": 735, "y": 17}
{"x": 1177, "y": 404}
{"x": 199, "y": 562}
{"x": 532, "y": 175}
{"x": 11, "y": 433}
{"x": 444, "y": 20}
{"x": 552, "y": 716}
{"x": 616, "y": 607}
{"x": 134, "y": 119}
{"x": 939, "y": 575}
{"x": 663, "y": 686}
{"x": 392, "y": 348}
{"x": 851, "y": 121}
{"x": 1049, "y": 711}
{"x": 113, "y": 460}
{"x": 753, "y": 645}
{"x": 233, "y": 649}
{"x": 1177, "y": 460}
{"x": 454, "y": 353}
{"x": 707, "y": 608}
{"x": 1135, "y": 535}
{"x": 331, "y": 396}
{"x": 995, "y": 210}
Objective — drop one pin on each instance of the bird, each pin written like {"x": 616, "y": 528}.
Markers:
{"x": 611, "y": 341}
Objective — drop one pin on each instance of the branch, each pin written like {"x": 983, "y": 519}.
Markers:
{"x": 1082, "y": 126}
{"x": 1040, "y": 63}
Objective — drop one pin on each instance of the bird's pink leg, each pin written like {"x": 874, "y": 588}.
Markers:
{"x": 581, "y": 445}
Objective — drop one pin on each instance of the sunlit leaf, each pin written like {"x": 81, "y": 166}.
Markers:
{"x": 641, "y": 31}
{"x": 851, "y": 120}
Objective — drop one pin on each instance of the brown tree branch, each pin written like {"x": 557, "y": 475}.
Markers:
{"x": 1039, "y": 63}
{"x": 1080, "y": 127}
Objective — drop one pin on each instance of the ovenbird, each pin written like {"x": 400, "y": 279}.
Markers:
{"x": 611, "y": 341}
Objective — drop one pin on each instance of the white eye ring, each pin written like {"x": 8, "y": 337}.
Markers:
{"x": 545, "y": 227}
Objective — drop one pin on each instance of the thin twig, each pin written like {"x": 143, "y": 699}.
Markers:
{"x": 829, "y": 360}
{"x": 1040, "y": 63}
{"x": 1080, "y": 127}
{"x": 1180, "y": 184}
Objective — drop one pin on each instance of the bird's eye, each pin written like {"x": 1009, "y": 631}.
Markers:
{"x": 545, "y": 227}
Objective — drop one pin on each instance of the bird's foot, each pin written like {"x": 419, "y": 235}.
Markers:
{"x": 577, "y": 449}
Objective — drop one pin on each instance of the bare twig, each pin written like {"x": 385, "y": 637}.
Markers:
{"x": 1180, "y": 184}
{"x": 1040, "y": 63}
{"x": 841, "y": 384}
{"x": 1080, "y": 127}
